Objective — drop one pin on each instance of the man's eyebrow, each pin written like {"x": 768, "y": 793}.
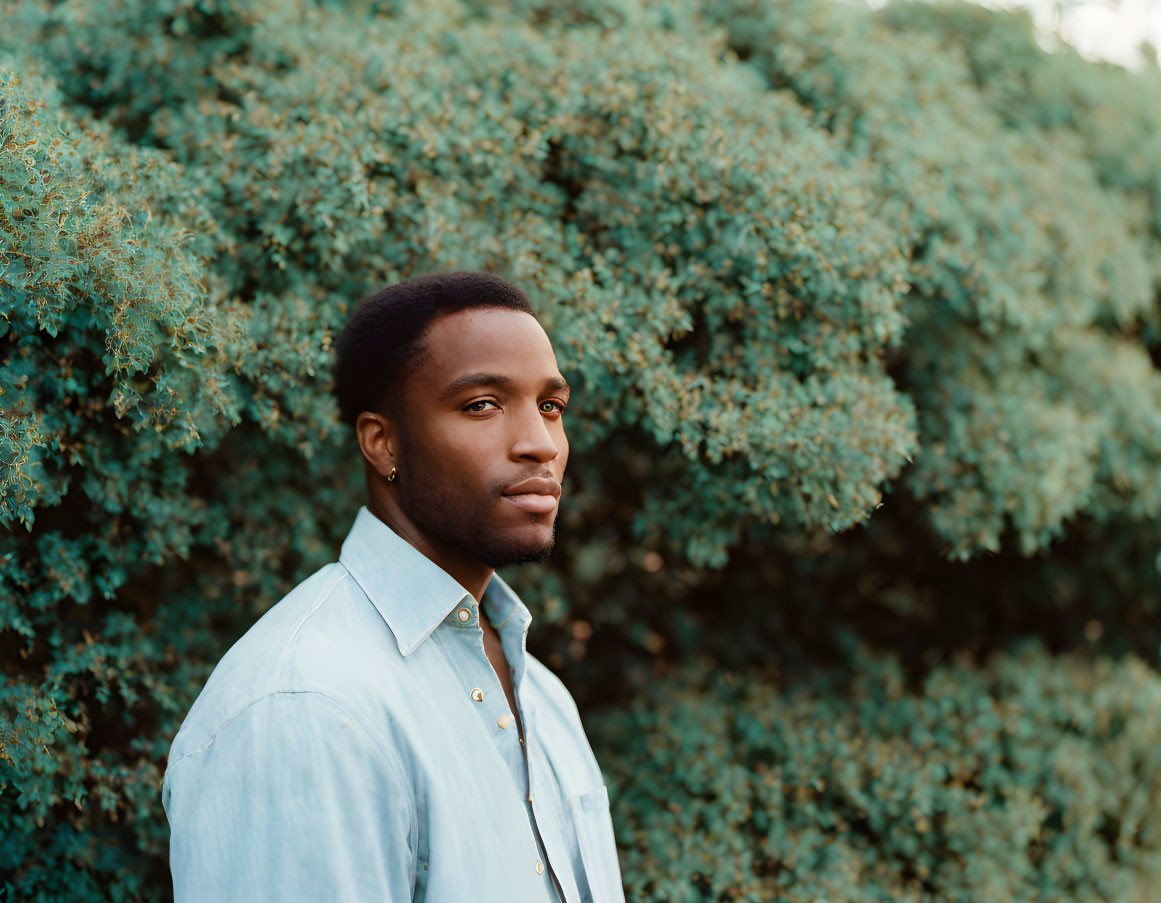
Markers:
{"x": 473, "y": 380}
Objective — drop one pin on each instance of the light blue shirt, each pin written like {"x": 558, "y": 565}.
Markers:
{"x": 356, "y": 745}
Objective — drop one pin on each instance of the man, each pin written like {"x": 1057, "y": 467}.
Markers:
{"x": 381, "y": 734}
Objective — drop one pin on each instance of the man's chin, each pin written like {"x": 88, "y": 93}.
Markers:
{"x": 518, "y": 551}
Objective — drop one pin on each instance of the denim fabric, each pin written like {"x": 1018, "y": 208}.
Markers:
{"x": 356, "y": 745}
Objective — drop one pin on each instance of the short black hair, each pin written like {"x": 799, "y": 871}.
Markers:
{"x": 382, "y": 343}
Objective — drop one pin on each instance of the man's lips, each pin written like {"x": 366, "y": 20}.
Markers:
{"x": 537, "y": 496}
{"x": 537, "y": 485}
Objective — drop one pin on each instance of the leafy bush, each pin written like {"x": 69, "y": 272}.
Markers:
{"x": 116, "y": 363}
{"x": 1034, "y": 778}
{"x": 801, "y": 262}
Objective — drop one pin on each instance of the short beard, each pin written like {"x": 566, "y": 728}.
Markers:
{"x": 464, "y": 527}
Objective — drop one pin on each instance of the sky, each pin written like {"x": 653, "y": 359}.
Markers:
{"x": 1098, "y": 29}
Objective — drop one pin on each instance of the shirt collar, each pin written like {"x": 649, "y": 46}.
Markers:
{"x": 415, "y": 595}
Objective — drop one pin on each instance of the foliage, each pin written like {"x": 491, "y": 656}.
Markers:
{"x": 1034, "y": 262}
{"x": 800, "y": 262}
{"x": 116, "y": 362}
{"x": 1035, "y": 778}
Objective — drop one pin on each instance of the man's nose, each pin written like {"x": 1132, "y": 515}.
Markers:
{"x": 533, "y": 437}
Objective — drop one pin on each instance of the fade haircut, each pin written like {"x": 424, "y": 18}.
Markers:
{"x": 382, "y": 343}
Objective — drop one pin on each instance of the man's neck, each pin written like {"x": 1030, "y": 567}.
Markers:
{"x": 470, "y": 574}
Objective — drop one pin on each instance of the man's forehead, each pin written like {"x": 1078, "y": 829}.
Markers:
{"x": 508, "y": 346}
{"x": 486, "y": 331}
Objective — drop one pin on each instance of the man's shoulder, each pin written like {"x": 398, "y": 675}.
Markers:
{"x": 311, "y": 640}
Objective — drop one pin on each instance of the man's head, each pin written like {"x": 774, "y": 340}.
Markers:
{"x": 450, "y": 381}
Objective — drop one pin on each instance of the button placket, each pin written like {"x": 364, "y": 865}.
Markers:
{"x": 466, "y": 617}
{"x": 549, "y": 827}
{"x": 526, "y": 715}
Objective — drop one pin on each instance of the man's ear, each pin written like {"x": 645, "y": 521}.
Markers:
{"x": 378, "y": 440}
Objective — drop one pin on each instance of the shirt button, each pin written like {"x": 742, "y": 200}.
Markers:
{"x": 477, "y": 694}
{"x": 505, "y": 719}
{"x": 464, "y": 615}
{"x": 539, "y": 867}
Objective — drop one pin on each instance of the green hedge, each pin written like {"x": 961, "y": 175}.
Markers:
{"x": 1033, "y": 778}
{"x": 862, "y": 314}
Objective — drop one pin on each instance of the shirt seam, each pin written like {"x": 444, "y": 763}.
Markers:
{"x": 270, "y": 693}
{"x": 296, "y": 628}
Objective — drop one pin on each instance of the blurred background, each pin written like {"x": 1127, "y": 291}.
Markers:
{"x": 857, "y": 574}
{"x": 1097, "y": 29}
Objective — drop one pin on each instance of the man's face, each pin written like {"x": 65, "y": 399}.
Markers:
{"x": 482, "y": 414}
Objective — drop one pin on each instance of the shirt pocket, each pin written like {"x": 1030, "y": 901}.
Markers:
{"x": 593, "y": 823}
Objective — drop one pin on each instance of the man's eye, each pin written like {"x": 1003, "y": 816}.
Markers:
{"x": 560, "y": 407}
{"x": 474, "y": 406}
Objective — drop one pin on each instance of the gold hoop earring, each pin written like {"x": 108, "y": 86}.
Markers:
{"x": 391, "y": 476}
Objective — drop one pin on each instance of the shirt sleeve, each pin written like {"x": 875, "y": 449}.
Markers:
{"x": 291, "y": 800}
